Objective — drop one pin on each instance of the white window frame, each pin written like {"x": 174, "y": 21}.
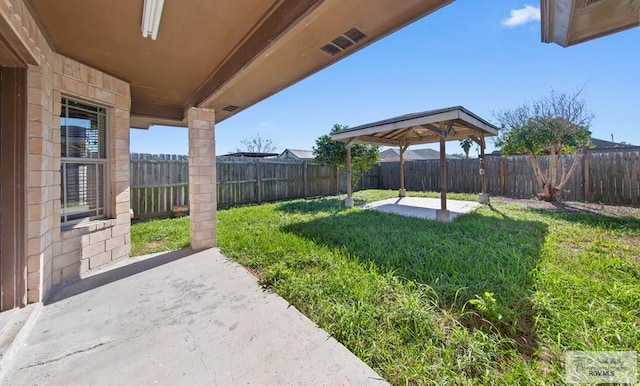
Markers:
{"x": 102, "y": 209}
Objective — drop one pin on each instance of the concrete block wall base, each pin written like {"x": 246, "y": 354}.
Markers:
{"x": 402, "y": 193}
{"x": 348, "y": 202}
{"x": 483, "y": 198}
{"x": 443, "y": 215}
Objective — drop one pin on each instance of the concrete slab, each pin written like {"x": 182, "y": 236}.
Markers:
{"x": 179, "y": 318}
{"x": 422, "y": 207}
{"x": 15, "y": 325}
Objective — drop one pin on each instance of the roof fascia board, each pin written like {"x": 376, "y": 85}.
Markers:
{"x": 556, "y": 21}
{"x": 440, "y": 117}
{"x": 478, "y": 123}
{"x": 144, "y": 108}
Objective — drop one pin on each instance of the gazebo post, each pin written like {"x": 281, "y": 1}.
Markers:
{"x": 484, "y": 196}
{"x": 443, "y": 214}
{"x": 402, "y": 192}
{"x": 348, "y": 202}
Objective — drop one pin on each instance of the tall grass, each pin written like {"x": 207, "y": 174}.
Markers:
{"x": 494, "y": 297}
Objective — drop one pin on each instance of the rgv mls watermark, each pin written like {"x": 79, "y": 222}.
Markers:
{"x": 601, "y": 367}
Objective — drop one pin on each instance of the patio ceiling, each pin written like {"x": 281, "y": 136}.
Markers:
{"x": 452, "y": 123}
{"x": 219, "y": 54}
{"x": 569, "y": 22}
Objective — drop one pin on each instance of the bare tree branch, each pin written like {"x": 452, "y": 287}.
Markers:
{"x": 257, "y": 144}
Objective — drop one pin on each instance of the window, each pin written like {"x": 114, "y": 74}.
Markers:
{"x": 83, "y": 161}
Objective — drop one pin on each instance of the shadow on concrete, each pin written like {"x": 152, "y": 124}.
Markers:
{"x": 114, "y": 274}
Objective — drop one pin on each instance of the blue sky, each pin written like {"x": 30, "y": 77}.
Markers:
{"x": 483, "y": 55}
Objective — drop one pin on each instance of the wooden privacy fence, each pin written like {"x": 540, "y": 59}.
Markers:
{"x": 158, "y": 182}
{"x": 609, "y": 176}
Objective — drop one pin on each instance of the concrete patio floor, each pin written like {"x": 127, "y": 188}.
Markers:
{"x": 421, "y": 207}
{"x": 178, "y": 318}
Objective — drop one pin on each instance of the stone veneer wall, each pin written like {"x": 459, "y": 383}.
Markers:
{"x": 55, "y": 254}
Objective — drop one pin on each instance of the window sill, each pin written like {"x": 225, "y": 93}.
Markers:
{"x": 89, "y": 226}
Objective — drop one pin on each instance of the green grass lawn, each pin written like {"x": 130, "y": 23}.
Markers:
{"x": 161, "y": 235}
{"x": 494, "y": 297}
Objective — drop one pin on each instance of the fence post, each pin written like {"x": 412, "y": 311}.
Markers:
{"x": 337, "y": 181}
{"x": 502, "y": 177}
{"x": 585, "y": 176}
{"x": 258, "y": 181}
{"x": 305, "y": 178}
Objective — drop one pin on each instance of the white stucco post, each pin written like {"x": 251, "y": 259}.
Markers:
{"x": 202, "y": 178}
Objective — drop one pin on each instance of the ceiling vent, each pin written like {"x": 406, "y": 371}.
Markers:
{"x": 230, "y": 108}
{"x": 590, "y": 2}
{"x": 355, "y": 34}
{"x": 344, "y": 41}
{"x": 330, "y": 49}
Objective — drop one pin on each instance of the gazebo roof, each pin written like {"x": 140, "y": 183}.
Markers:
{"x": 452, "y": 123}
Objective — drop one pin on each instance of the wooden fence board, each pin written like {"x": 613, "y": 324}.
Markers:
{"x": 160, "y": 181}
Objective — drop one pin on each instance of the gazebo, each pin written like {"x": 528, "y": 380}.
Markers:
{"x": 441, "y": 125}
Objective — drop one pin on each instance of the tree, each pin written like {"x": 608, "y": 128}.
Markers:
{"x": 257, "y": 144}
{"x": 466, "y": 144}
{"x": 554, "y": 125}
{"x": 330, "y": 152}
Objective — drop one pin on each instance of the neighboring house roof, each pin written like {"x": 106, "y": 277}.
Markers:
{"x": 250, "y": 154}
{"x": 393, "y": 155}
{"x": 297, "y": 153}
{"x": 431, "y": 154}
{"x": 602, "y": 144}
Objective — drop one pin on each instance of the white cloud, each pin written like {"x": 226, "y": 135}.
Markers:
{"x": 524, "y": 15}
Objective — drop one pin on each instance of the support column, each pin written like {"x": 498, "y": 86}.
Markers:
{"x": 443, "y": 214}
{"x": 348, "y": 202}
{"x": 202, "y": 178}
{"x": 402, "y": 192}
{"x": 484, "y": 196}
